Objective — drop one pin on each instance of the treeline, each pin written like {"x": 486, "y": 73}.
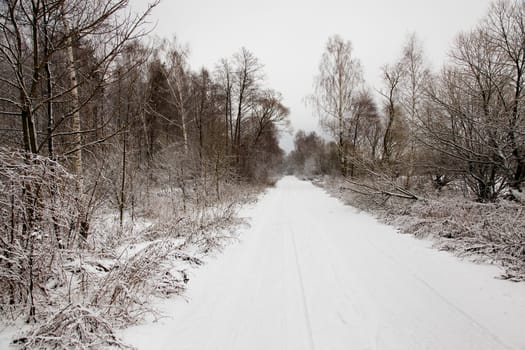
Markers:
{"x": 81, "y": 86}
{"x": 101, "y": 133}
{"x": 464, "y": 124}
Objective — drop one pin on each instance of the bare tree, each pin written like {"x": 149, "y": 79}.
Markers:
{"x": 477, "y": 102}
{"x": 415, "y": 78}
{"x": 247, "y": 77}
{"x": 413, "y": 85}
{"x": 467, "y": 114}
{"x": 266, "y": 110}
{"x": 336, "y": 89}
{"x": 224, "y": 77}
{"x": 179, "y": 84}
{"x": 35, "y": 34}
{"x": 505, "y": 26}
{"x": 364, "y": 131}
{"x": 394, "y": 137}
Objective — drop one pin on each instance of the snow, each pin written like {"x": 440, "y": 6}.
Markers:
{"x": 10, "y": 331}
{"x": 312, "y": 273}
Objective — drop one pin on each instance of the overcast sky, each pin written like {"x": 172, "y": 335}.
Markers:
{"x": 288, "y": 36}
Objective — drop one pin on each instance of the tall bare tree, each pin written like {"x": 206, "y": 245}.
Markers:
{"x": 247, "y": 77}
{"x": 413, "y": 85}
{"x": 179, "y": 84}
{"x": 393, "y": 138}
{"x": 224, "y": 77}
{"x": 336, "y": 89}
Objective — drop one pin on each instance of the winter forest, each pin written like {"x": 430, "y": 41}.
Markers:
{"x": 122, "y": 167}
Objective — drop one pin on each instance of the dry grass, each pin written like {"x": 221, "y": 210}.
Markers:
{"x": 74, "y": 327}
{"x": 74, "y": 293}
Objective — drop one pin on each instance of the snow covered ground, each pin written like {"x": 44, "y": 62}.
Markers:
{"x": 312, "y": 273}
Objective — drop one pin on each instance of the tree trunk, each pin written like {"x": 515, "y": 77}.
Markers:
{"x": 29, "y": 132}
{"x": 77, "y": 166}
{"x": 49, "y": 90}
{"x": 75, "y": 104}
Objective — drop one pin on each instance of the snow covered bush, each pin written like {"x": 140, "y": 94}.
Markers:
{"x": 73, "y": 292}
{"x": 38, "y": 225}
{"x": 491, "y": 232}
{"x": 73, "y": 327}
{"x": 134, "y": 277}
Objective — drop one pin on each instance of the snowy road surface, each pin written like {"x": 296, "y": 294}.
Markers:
{"x": 312, "y": 273}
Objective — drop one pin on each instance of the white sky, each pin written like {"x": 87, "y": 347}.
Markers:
{"x": 288, "y": 36}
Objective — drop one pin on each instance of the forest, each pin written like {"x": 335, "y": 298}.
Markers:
{"x": 121, "y": 165}
{"x": 107, "y": 142}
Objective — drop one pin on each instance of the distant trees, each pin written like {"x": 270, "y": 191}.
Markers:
{"x": 365, "y": 137}
{"x": 252, "y": 114}
{"x": 266, "y": 117}
{"x": 313, "y": 156}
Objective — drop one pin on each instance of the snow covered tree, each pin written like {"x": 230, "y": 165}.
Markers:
{"x": 477, "y": 102}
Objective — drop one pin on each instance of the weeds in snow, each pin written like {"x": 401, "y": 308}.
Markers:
{"x": 74, "y": 327}
{"x": 73, "y": 292}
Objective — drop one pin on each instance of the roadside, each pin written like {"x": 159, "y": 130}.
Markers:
{"x": 312, "y": 273}
{"x": 488, "y": 232}
{"x": 112, "y": 282}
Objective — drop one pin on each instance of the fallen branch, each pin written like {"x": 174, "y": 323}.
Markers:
{"x": 402, "y": 193}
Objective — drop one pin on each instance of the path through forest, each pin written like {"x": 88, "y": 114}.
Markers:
{"x": 312, "y": 273}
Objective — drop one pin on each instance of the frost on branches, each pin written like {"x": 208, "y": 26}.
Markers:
{"x": 489, "y": 232}
{"x": 38, "y": 224}
{"x": 72, "y": 293}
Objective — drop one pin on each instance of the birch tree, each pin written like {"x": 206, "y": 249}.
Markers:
{"x": 337, "y": 87}
{"x": 413, "y": 97}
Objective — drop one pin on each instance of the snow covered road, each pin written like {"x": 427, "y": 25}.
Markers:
{"x": 312, "y": 273}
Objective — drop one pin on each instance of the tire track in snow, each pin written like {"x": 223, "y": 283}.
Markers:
{"x": 303, "y": 294}
{"x": 341, "y": 277}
